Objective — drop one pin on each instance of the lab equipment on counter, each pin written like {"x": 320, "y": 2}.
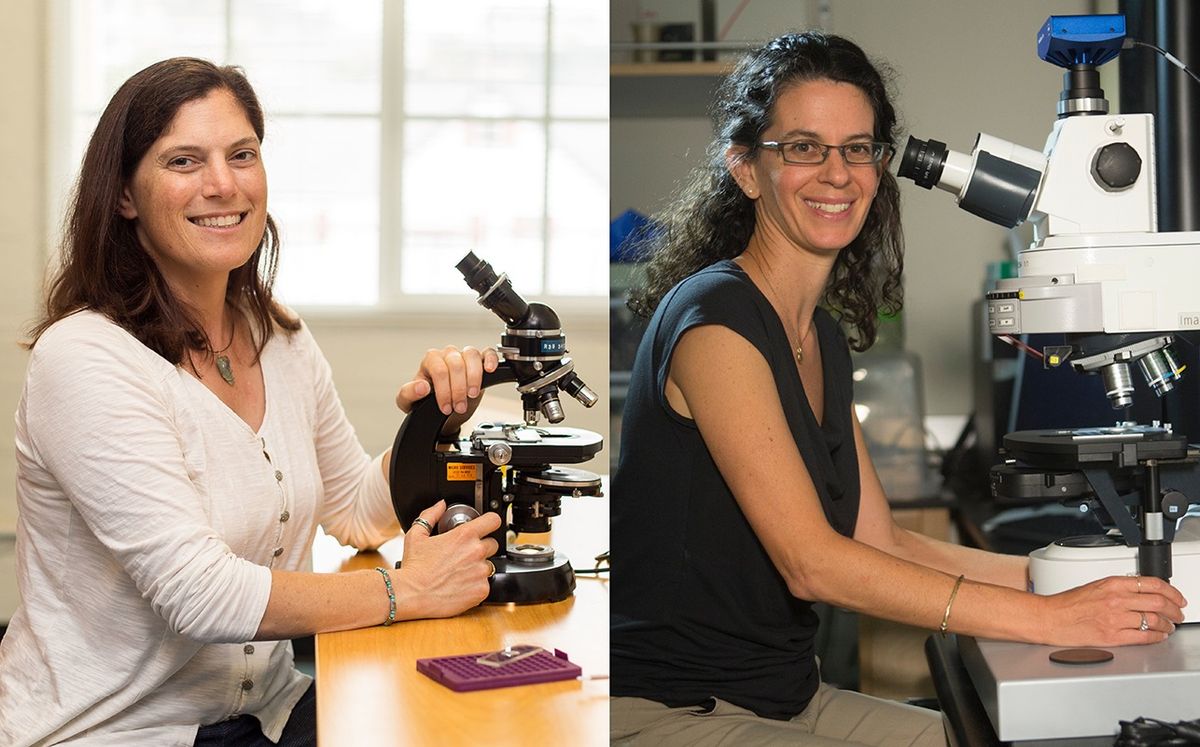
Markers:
{"x": 1099, "y": 273}
{"x": 511, "y": 469}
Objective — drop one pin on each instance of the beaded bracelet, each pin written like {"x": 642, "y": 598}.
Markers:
{"x": 387, "y": 580}
{"x": 946, "y": 617}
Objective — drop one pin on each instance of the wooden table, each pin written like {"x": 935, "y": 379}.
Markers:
{"x": 370, "y": 693}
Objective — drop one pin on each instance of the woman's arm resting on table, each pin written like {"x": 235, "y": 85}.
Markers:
{"x": 440, "y": 577}
{"x": 733, "y": 394}
{"x": 877, "y": 528}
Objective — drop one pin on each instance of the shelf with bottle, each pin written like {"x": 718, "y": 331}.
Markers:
{"x": 642, "y": 84}
{"x": 669, "y": 59}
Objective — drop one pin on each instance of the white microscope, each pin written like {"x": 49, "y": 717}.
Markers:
{"x": 1099, "y": 272}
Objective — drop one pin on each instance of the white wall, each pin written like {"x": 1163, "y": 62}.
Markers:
{"x": 962, "y": 66}
{"x": 22, "y": 189}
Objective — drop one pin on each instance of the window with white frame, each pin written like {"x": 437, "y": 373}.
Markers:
{"x": 400, "y": 134}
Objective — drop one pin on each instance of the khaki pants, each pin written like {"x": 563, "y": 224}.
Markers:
{"x": 834, "y": 718}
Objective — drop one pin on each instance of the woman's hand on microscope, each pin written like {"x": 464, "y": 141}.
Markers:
{"x": 1114, "y": 611}
{"x": 445, "y": 574}
{"x": 455, "y": 378}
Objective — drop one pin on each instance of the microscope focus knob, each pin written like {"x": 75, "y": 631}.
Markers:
{"x": 499, "y": 454}
{"x": 1116, "y": 166}
{"x": 457, "y": 513}
{"x": 1174, "y": 505}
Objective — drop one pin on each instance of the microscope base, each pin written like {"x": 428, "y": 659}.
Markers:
{"x": 518, "y": 583}
{"x": 1056, "y": 568}
{"x": 1029, "y": 697}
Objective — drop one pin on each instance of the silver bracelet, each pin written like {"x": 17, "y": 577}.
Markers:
{"x": 387, "y": 580}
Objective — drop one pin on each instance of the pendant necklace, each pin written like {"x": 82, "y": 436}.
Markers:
{"x": 223, "y": 366}
{"x": 799, "y": 351}
{"x": 800, "y": 347}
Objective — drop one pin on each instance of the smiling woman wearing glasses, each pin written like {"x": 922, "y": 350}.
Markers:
{"x": 744, "y": 491}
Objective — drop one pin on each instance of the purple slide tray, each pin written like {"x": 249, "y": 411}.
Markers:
{"x": 463, "y": 673}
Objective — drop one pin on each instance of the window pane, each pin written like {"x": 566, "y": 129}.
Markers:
{"x": 471, "y": 186}
{"x": 310, "y": 56}
{"x": 577, "y": 245}
{"x": 579, "y": 59}
{"x": 475, "y": 58}
{"x": 467, "y": 184}
{"x": 114, "y": 39}
{"x": 324, "y": 178}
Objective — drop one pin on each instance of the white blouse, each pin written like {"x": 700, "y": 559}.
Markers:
{"x": 149, "y": 517}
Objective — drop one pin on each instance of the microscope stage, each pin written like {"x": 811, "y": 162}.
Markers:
{"x": 536, "y": 445}
{"x": 1078, "y": 448}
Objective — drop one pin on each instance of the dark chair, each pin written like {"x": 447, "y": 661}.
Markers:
{"x": 969, "y": 725}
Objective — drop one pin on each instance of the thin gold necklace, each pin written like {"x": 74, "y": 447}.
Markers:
{"x": 799, "y": 348}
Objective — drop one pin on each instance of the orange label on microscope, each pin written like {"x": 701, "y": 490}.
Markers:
{"x": 462, "y": 471}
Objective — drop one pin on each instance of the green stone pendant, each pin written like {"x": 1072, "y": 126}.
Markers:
{"x": 225, "y": 369}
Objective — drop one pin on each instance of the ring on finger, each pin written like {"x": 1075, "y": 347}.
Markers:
{"x": 1145, "y": 624}
{"x": 491, "y": 568}
{"x": 420, "y": 520}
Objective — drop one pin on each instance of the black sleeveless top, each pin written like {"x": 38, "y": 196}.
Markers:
{"x": 698, "y": 608}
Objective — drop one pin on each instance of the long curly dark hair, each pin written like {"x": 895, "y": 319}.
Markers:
{"x": 103, "y": 266}
{"x": 711, "y": 219}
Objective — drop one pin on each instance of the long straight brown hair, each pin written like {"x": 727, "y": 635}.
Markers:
{"x": 102, "y": 265}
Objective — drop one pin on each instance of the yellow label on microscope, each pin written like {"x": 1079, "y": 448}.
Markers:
{"x": 462, "y": 471}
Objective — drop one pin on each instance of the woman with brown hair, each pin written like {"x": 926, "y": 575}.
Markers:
{"x": 744, "y": 491}
{"x": 179, "y": 440}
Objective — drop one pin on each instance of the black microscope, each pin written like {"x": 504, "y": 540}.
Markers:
{"x": 507, "y": 468}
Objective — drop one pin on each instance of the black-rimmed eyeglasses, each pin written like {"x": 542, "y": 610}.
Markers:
{"x": 811, "y": 153}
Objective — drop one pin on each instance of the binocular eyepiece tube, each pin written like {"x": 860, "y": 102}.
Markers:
{"x": 533, "y": 343}
{"x": 496, "y": 293}
{"x": 998, "y": 181}
{"x": 923, "y": 162}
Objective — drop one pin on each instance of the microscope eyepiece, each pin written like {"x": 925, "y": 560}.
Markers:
{"x": 923, "y": 162}
{"x": 495, "y": 291}
{"x": 478, "y": 273}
